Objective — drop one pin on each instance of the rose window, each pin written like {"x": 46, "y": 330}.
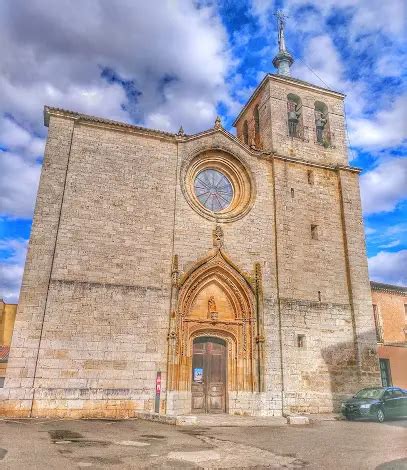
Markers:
{"x": 213, "y": 190}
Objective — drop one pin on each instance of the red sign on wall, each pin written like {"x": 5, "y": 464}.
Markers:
{"x": 158, "y": 384}
{"x": 157, "y": 392}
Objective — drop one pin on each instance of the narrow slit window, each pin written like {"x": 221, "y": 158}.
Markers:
{"x": 314, "y": 232}
{"x": 246, "y": 133}
{"x": 310, "y": 176}
{"x": 319, "y": 296}
{"x": 301, "y": 341}
{"x": 292, "y": 192}
{"x": 256, "y": 117}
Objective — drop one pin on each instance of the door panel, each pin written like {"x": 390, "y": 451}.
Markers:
{"x": 209, "y": 376}
{"x": 198, "y": 384}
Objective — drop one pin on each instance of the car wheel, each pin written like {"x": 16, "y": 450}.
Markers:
{"x": 380, "y": 415}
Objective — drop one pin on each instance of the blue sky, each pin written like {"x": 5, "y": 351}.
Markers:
{"x": 162, "y": 64}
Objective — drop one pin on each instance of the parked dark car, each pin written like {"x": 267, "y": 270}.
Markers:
{"x": 378, "y": 403}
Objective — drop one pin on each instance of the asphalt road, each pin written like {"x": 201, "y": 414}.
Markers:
{"x": 134, "y": 444}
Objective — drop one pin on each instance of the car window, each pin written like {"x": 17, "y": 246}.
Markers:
{"x": 397, "y": 393}
{"x": 388, "y": 394}
{"x": 370, "y": 393}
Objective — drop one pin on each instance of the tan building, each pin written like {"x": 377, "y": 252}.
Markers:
{"x": 229, "y": 273}
{"x": 7, "y": 318}
{"x": 390, "y": 315}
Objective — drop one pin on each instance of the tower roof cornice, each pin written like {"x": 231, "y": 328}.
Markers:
{"x": 291, "y": 81}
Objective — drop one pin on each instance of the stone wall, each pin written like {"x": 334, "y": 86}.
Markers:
{"x": 97, "y": 279}
{"x": 7, "y": 318}
{"x": 392, "y": 314}
{"x": 91, "y": 332}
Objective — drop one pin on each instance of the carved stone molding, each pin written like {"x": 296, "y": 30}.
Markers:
{"x": 215, "y": 299}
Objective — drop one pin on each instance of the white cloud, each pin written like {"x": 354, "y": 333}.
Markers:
{"x": 370, "y": 21}
{"x": 387, "y": 128}
{"x": 173, "y": 57}
{"x": 264, "y": 10}
{"x": 385, "y": 186}
{"x": 368, "y": 16}
{"x": 389, "y": 267}
{"x": 12, "y": 268}
{"x": 370, "y": 231}
{"x": 16, "y": 138}
{"x": 173, "y": 51}
{"x": 322, "y": 57}
{"x": 19, "y": 179}
{"x": 391, "y": 244}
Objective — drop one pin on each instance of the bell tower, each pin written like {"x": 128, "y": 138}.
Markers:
{"x": 320, "y": 258}
{"x": 292, "y": 118}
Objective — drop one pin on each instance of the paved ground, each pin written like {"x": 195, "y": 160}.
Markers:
{"x": 133, "y": 444}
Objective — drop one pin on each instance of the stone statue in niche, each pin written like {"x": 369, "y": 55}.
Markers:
{"x": 217, "y": 234}
{"x": 212, "y": 313}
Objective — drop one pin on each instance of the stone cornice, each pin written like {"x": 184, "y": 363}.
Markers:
{"x": 388, "y": 288}
{"x": 98, "y": 121}
{"x": 50, "y": 111}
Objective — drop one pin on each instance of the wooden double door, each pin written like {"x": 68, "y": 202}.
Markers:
{"x": 209, "y": 375}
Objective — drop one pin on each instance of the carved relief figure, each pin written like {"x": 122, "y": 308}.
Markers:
{"x": 217, "y": 234}
{"x": 212, "y": 312}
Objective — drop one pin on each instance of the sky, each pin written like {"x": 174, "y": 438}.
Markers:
{"x": 166, "y": 63}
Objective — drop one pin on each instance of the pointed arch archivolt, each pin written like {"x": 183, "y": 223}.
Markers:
{"x": 215, "y": 298}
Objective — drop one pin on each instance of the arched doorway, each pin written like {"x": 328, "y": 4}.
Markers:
{"x": 216, "y": 313}
{"x": 209, "y": 375}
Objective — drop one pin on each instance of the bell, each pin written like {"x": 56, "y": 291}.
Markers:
{"x": 292, "y": 116}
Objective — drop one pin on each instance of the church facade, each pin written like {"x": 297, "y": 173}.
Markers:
{"x": 201, "y": 273}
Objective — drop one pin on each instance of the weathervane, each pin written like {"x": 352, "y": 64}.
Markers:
{"x": 283, "y": 60}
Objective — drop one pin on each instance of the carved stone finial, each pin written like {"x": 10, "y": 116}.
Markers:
{"x": 181, "y": 132}
{"x": 258, "y": 277}
{"x": 218, "y": 123}
{"x": 218, "y": 237}
{"x": 175, "y": 270}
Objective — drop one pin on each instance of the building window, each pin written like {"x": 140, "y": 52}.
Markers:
{"x": 379, "y": 333}
{"x": 314, "y": 232}
{"x": 319, "y": 296}
{"x": 256, "y": 117}
{"x": 213, "y": 189}
{"x": 301, "y": 341}
{"x": 310, "y": 176}
{"x": 385, "y": 372}
{"x": 292, "y": 192}
{"x": 246, "y": 133}
{"x": 294, "y": 116}
{"x": 322, "y": 124}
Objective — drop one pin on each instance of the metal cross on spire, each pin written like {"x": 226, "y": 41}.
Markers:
{"x": 283, "y": 60}
{"x": 281, "y": 17}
